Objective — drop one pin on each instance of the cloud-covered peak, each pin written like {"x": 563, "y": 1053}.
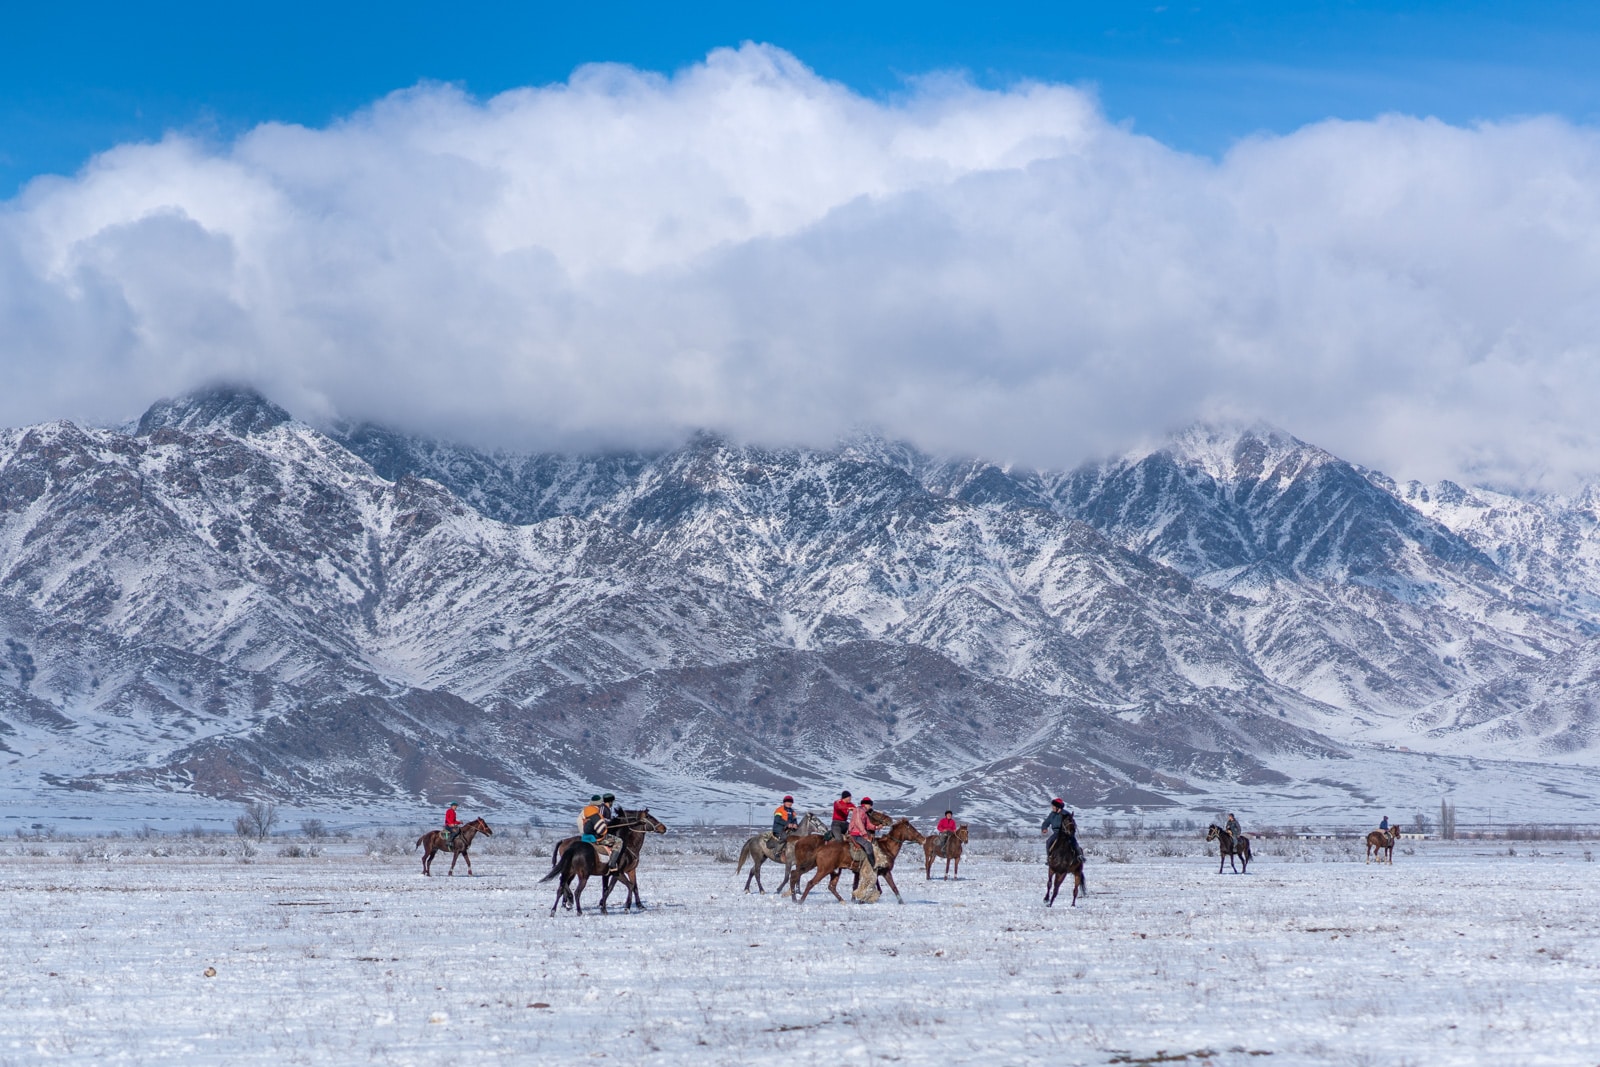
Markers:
{"x": 746, "y": 247}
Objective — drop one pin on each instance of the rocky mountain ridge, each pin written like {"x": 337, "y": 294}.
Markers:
{"x": 225, "y": 601}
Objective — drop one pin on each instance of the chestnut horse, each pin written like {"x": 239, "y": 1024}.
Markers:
{"x": 1064, "y": 858}
{"x": 946, "y": 845}
{"x": 753, "y": 851}
{"x": 434, "y": 840}
{"x": 800, "y": 853}
{"x": 1229, "y": 846}
{"x": 632, "y": 827}
{"x": 833, "y": 858}
{"x": 1381, "y": 844}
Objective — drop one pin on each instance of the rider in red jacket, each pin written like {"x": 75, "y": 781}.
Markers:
{"x": 451, "y": 821}
{"x": 841, "y": 816}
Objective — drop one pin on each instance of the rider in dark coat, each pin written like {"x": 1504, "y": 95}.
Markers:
{"x": 1232, "y": 826}
{"x": 784, "y": 819}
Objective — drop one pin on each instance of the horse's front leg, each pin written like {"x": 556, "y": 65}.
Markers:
{"x": 468, "y": 857}
{"x": 889, "y": 877}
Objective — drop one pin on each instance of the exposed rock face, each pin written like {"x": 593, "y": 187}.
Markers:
{"x": 228, "y": 601}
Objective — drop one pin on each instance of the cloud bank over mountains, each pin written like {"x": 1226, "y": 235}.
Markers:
{"x": 747, "y": 247}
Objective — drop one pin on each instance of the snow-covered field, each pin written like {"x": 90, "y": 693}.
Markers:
{"x": 1457, "y": 954}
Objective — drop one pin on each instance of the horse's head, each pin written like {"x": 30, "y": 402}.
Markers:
{"x": 961, "y": 834}
{"x": 879, "y": 819}
{"x": 650, "y": 822}
{"x": 1069, "y": 825}
{"x": 482, "y": 827}
{"x": 904, "y": 831}
{"x": 1214, "y": 832}
{"x": 811, "y": 824}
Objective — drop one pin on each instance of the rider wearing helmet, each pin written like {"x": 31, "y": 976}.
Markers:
{"x": 1052, "y": 822}
{"x": 451, "y": 821}
{"x": 591, "y": 822}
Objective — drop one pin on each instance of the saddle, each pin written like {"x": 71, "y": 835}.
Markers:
{"x": 772, "y": 846}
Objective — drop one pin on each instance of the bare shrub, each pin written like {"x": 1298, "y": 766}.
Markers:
{"x": 314, "y": 829}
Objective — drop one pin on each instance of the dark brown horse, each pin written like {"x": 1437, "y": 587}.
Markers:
{"x": 755, "y": 851}
{"x": 947, "y": 846}
{"x": 1381, "y": 844}
{"x": 800, "y": 853}
{"x": 1065, "y": 857}
{"x": 434, "y": 842}
{"x": 833, "y": 858}
{"x": 578, "y": 862}
{"x": 632, "y": 827}
{"x": 1229, "y": 846}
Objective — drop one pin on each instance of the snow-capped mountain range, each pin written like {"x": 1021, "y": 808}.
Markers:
{"x": 222, "y": 601}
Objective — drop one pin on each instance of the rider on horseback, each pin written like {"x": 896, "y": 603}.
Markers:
{"x": 1232, "y": 826}
{"x": 841, "y": 817}
{"x": 946, "y": 827}
{"x": 591, "y": 821}
{"x": 451, "y": 821}
{"x": 861, "y": 830}
{"x": 784, "y": 820}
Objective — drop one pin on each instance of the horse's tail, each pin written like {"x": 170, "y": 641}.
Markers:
{"x": 743, "y": 852}
{"x": 418, "y": 843}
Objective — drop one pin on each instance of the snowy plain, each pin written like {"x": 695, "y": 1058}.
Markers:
{"x": 1459, "y": 953}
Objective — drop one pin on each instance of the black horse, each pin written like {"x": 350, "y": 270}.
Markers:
{"x": 580, "y": 862}
{"x": 632, "y": 827}
{"x": 1229, "y": 846}
{"x": 1065, "y": 857}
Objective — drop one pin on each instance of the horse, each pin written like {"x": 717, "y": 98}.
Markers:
{"x": 800, "y": 853}
{"x": 833, "y": 857}
{"x": 1063, "y": 858}
{"x": 946, "y": 845}
{"x": 434, "y": 840}
{"x": 632, "y": 826}
{"x": 1228, "y": 847}
{"x": 753, "y": 851}
{"x": 1381, "y": 844}
{"x": 579, "y": 861}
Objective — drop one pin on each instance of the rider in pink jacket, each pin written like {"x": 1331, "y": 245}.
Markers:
{"x": 861, "y": 829}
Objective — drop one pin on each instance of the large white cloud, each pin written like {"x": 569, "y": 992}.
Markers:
{"x": 747, "y": 247}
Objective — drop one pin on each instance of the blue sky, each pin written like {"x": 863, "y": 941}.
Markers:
{"x": 1119, "y": 220}
{"x": 77, "y": 78}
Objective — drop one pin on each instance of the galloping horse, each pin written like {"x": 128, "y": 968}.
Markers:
{"x": 1228, "y": 847}
{"x": 579, "y": 861}
{"x": 946, "y": 845}
{"x": 434, "y": 840}
{"x": 632, "y": 826}
{"x": 1381, "y": 844}
{"x": 833, "y": 858}
{"x": 754, "y": 851}
{"x": 1064, "y": 858}
{"x": 800, "y": 853}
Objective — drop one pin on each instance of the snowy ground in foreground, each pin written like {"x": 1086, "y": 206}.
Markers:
{"x": 1458, "y": 954}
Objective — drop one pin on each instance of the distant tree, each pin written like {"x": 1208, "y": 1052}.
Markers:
{"x": 1447, "y": 820}
{"x": 257, "y": 820}
{"x": 1422, "y": 823}
{"x": 314, "y": 829}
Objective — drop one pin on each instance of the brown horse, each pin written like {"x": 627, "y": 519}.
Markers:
{"x": 434, "y": 842}
{"x": 946, "y": 845}
{"x": 755, "y": 851}
{"x": 1381, "y": 844}
{"x": 833, "y": 858}
{"x": 1229, "y": 846}
{"x": 631, "y": 827}
{"x": 1064, "y": 858}
{"x": 800, "y": 853}
{"x": 577, "y": 862}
